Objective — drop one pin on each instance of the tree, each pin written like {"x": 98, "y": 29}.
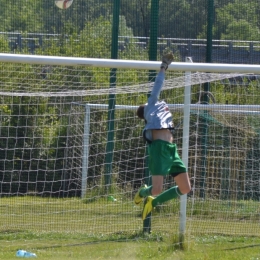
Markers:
{"x": 4, "y": 46}
{"x": 236, "y": 20}
{"x": 182, "y": 19}
{"x": 137, "y": 14}
{"x": 79, "y": 13}
{"x": 241, "y": 30}
{"x": 27, "y": 18}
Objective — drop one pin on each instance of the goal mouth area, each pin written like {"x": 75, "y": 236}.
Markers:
{"x": 71, "y": 139}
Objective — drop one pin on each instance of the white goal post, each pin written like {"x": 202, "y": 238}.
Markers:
{"x": 56, "y": 135}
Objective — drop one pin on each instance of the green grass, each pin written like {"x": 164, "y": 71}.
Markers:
{"x": 98, "y": 229}
{"x": 69, "y": 246}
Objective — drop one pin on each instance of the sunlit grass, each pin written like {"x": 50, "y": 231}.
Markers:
{"x": 72, "y": 228}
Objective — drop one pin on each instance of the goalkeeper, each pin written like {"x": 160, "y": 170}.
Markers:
{"x": 163, "y": 155}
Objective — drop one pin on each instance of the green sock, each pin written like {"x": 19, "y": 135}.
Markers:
{"x": 169, "y": 194}
{"x": 145, "y": 192}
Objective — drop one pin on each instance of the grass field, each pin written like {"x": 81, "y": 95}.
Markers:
{"x": 76, "y": 229}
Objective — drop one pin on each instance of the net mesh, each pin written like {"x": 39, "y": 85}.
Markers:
{"x": 38, "y": 80}
{"x": 54, "y": 125}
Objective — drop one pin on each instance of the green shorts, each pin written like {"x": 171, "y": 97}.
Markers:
{"x": 164, "y": 159}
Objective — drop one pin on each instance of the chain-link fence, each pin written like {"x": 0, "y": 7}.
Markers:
{"x": 223, "y": 31}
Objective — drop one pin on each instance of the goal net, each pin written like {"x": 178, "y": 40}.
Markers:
{"x": 72, "y": 154}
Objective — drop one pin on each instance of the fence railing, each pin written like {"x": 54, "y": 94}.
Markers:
{"x": 223, "y": 51}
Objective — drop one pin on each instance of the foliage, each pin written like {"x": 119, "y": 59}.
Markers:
{"x": 182, "y": 19}
{"x": 27, "y": 16}
{"x": 235, "y": 20}
{"x": 4, "y": 47}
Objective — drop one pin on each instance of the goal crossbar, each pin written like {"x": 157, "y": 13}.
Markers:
{"x": 208, "y": 107}
{"x": 128, "y": 64}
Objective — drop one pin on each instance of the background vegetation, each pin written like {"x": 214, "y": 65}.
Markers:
{"x": 87, "y": 23}
{"x": 41, "y": 136}
{"x": 233, "y": 19}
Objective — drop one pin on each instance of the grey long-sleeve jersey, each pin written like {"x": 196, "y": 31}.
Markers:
{"x": 156, "y": 113}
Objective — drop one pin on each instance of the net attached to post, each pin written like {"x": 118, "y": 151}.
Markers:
{"x": 54, "y": 123}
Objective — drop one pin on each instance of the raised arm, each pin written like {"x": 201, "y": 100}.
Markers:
{"x": 157, "y": 87}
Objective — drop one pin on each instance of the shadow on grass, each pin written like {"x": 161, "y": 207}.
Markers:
{"x": 241, "y": 247}
{"x": 115, "y": 237}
